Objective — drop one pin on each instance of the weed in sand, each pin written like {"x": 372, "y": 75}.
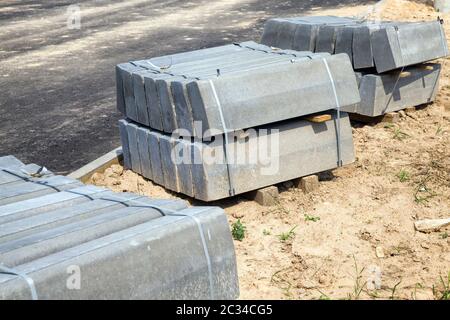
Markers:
{"x": 394, "y": 289}
{"x": 279, "y": 280}
{"x": 266, "y": 232}
{"x": 414, "y": 293}
{"x": 359, "y": 284}
{"x": 403, "y": 175}
{"x": 444, "y": 293}
{"x": 423, "y": 193}
{"x": 444, "y": 235}
{"x": 399, "y": 134}
{"x": 311, "y": 218}
{"x": 285, "y": 236}
{"x": 238, "y": 230}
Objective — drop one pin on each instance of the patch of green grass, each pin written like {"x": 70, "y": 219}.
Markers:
{"x": 423, "y": 194}
{"x": 323, "y": 296}
{"x": 373, "y": 294}
{"x": 311, "y": 218}
{"x": 394, "y": 289}
{"x": 439, "y": 130}
{"x": 266, "y": 232}
{"x": 414, "y": 293}
{"x": 238, "y": 230}
{"x": 403, "y": 175}
{"x": 444, "y": 235}
{"x": 279, "y": 279}
{"x": 443, "y": 294}
{"x": 285, "y": 236}
{"x": 399, "y": 134}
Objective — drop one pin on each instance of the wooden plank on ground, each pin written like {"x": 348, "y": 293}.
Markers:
{"x": 319, "y": 118}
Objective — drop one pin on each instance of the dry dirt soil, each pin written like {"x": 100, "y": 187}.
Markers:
{"x": 359, "y": 224}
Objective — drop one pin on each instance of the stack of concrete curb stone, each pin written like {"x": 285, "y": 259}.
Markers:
{"x": 226, "y": 89}
{"x": 304, "y": 148}
{"x": 170, "y": 93}
{"x": 387, "y": 56}
{"x": 60, "y": 239}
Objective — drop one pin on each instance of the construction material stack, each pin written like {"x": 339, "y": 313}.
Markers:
{"x": 389, "y": 58}
{"x": 60, "y": 239}
{"x": 224, "y": 101}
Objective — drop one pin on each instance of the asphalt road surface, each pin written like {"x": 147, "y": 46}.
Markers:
{"x": 57, "y": 83}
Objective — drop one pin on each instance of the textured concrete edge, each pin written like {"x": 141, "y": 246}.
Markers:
{"x": 98, "y": 165}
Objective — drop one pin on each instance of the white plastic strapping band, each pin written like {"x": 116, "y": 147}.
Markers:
{"x": 164, "y": 211}
{"x": 393, "y": 89}
{"x": 28, "y": 279}
{"x": 225, "y": 132}
{"x": 338, "y": 108}
{"x": 170, "y": 212}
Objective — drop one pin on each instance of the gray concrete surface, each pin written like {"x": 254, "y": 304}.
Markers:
{"x": 124, "y": 246}
{"x": 300, "y": 148}
{"x": 253, "y": 79}
{"x": 383, "y": 45}
{"x": 388, "y": 92}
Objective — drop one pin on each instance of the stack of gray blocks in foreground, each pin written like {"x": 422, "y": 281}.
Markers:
{"x": 379, "y": 51}
{"x": 187, "y": 101}
{"x": 124, "y": 246}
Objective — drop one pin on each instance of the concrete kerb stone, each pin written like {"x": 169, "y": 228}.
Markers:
{"x": 106, "y": 235}
{"x": 405, "y": 45}
{"x": 245, "y": 105}
{"x": 385, "y": 45}
{"x": 103, "y": 270}
{"x": 169, "y": 99}
{"x": 100, "y": 164}
{"x": 397, "y": 90}
{"x": 297, "y": 139}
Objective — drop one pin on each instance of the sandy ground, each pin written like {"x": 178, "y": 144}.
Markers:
{"x": 358, "y": 227}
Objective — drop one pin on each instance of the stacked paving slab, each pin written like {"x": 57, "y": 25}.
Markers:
{"x": 170, "y": 102}
{"x": 124, "y": 246}
{"x": 172, "y": 92}
{"x": 387, "y": 56}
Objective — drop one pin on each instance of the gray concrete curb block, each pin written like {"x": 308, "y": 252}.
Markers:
{"x": 384, "y": 45}
{"x": 98, "y": 165}
{"x": 242, "y": 82}
{"x": 305, "y": 148}
{"x": 396, "y": 90}
{"x": 60, "y": 239}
